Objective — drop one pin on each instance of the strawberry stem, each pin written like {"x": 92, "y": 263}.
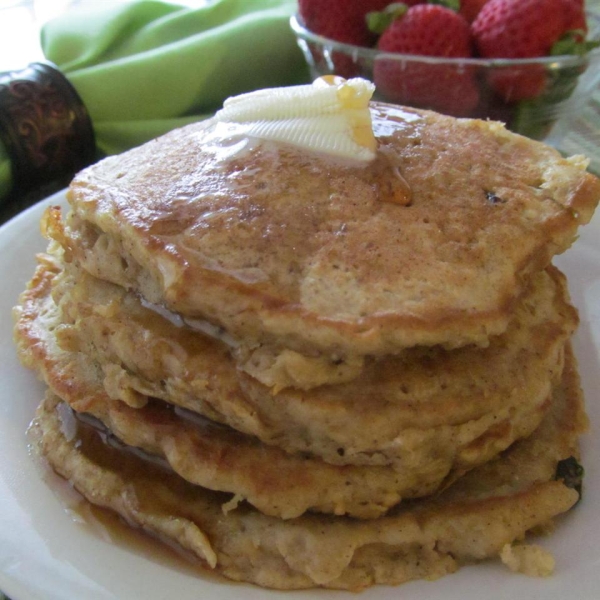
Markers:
{"x": 573, "y": 42}
{"x": 451, "y": 4}
{"x": 379, "y": 21}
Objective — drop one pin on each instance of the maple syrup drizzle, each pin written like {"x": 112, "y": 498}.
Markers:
{"x": 95, "y": 442}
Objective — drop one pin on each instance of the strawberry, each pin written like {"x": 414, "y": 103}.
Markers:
{"x": 527, "y": 29}
{"x": 340, "y": 20}
{"x": 518, "y": 28}
{"x": 429, "y": 30}
{"x": 444, "y": 88}
{"x": 573, "y": 40}
{"x": 514, "y": 84}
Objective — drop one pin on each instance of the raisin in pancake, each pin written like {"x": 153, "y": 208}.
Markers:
{"x": 493, "y": 506}
{"x": 276, "y": 244}
{"x": 452, "y": 408}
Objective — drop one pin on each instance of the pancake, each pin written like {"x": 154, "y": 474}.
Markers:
{"x": 216, "y": 457}
{"x": 312, "y": 371}
{"x": 479, "y": 517}
{"x": 302, "y": 252}
{"x": 453, "y": 409}
{"x": 220, "y": 458}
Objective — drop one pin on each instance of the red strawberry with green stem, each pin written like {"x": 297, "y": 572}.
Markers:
{"x": 340, "y": 20}
{"x": 527, "y": 29}
{"x": 573, "y": 40}
{"x": 518, "y": 28}
{"x": 531, "y": 29}
{"x": 428, "y": 30}
{"x": 574, "y": 17}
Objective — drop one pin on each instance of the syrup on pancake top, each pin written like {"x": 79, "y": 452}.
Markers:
{"x": 428, "y": 239}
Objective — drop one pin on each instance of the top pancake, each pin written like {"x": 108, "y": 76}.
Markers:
{"x": 282, "y": 246}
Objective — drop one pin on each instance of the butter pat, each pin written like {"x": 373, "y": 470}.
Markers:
{"x": 331, "y": 116}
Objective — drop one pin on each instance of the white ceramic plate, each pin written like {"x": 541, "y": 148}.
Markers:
{"x": 47, "y": 554}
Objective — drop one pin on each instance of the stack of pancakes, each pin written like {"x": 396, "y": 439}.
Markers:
{"x": 311, "y": 372}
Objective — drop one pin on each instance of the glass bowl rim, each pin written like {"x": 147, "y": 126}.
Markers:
{"x": 566, "y": 60}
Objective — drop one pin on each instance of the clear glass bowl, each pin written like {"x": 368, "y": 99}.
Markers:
{"x": 529, "y": 95}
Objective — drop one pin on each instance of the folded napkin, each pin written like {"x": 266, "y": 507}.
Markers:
{"x": 146, "y": 67}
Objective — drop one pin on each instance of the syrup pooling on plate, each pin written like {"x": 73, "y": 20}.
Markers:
{"x": 143, "y": 472}
{"x": 97, "y": 444}
{"x": 331, "y": 116}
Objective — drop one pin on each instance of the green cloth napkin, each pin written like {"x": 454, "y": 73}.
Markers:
{"x": 146, "y": 67}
